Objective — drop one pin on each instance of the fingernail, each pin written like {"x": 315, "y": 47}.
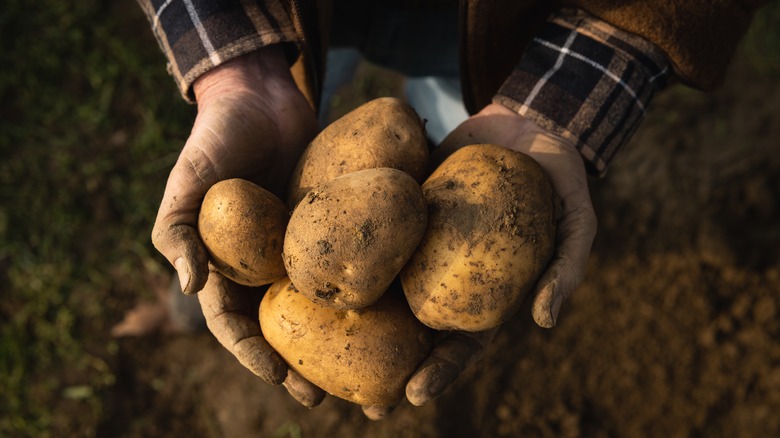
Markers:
{"x": 377, "y": 413}
{"x": 184, "y": 273}
{"x": 556, "y": 308}
{"x": 430, "y": 383}
{"x": 442, "y": 379}
{"x": 302, "y": 390}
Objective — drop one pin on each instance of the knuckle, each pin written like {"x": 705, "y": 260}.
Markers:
{"x": 579, "y": 218}
{"x": 158, "y": 236}
{"x": 200, "y": 165}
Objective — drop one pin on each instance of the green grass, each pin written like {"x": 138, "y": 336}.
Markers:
{"x": 90, "y": 124}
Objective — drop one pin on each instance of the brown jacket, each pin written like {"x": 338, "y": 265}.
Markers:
{"x": 698, "y": 37}
{"x": 584, "y": 70}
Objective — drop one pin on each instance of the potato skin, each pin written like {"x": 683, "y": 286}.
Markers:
{"x": 242, "y": 226}
{"x": 384, "y": 132}
{"x": 350, "y": 237}
{"x": 491, "y": 232}
{"x": 364, "y": 356}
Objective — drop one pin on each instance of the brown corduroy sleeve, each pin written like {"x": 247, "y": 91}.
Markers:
{"x": 699, "y": 37}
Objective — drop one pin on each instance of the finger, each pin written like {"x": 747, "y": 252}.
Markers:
{"x": 231, "y": 315}
{"x": 576, "y": 232}
{"x": 175, "y": 232}
{"x": 377, "y": 413}
{"x": 303, "y": 391}
{"x": 430, "y": 381}
{"x": 453, "y": 353}
{"x": 181, "y": 244}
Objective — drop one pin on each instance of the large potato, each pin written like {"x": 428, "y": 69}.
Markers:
{"x": 364, "y": 356}
{"x": 491, "y": 232}
{"x": 350, "y": 237}
{"x": 384, "y": 132}
{"x": 242, "y": 226}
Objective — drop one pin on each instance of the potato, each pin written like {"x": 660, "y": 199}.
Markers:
{"x": 242, "y": 226}
{"x": 384, "y": 132}
{"x": 491, "y": 232}
{"x": 364, "y": 356}
{"x": 350, "y": 237}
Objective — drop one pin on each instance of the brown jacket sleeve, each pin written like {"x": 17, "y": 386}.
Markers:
{"x": 699, "y": 37}
{"x": 587, "y": 81}
{"x": 198, "y": 35}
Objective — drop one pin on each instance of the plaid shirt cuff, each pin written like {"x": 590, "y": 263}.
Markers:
{"x": 586, "y": 81}
{"x": 198, "y": 35}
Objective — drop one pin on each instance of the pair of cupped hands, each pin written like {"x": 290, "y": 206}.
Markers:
{"x": 253, "y": 123}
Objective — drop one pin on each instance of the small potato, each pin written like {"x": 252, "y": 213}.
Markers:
{"x": 242, "y": 226}
{"x": 384, "y": 132}
{"x": 491, "y": 232}
{"x": 364, "y": 356}
{"x": 350, "y": 237}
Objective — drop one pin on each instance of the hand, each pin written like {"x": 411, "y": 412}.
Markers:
{"x": 231, "y": 312}
{"x": 455, "y": 352}
{"x": 499, "y": 125}
{"x": 252, "y": 123}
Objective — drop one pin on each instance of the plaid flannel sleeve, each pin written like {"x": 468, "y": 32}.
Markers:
{"x": 586, "y": 81}
{"x": 198, "y": 35}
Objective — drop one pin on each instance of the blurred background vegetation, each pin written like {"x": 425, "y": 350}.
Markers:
{"x": 90, "y": 125}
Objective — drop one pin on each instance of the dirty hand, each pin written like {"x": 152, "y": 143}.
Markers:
{"x": 455, "y": 352}
{"x": 252, "y": 123}
{"x": 231, "y": 312}
{"x": 499, "y": 125}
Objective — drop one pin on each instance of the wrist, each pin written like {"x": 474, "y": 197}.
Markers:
{"x": 263, "y": 73}
{"x": 519, "y": 129}
{"x": 261, "y": 83}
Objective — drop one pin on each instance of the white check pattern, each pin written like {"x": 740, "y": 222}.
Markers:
{"x": 586, "y": 81}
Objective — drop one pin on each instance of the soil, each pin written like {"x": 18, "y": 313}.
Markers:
{"x": 673, "y": 333}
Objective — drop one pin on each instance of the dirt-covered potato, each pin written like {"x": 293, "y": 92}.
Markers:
{"x": 491, "y": 232}
{"x": 350, "y": 237}
{"x": 384, "y": 132}
{"x": 242, "y": 226}
{"x": 364, "y": 356}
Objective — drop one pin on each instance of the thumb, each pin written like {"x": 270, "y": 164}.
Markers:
{"x": 303, "y": 391}
{"x": 576, "y": 231}
{"x": 452, "y": 354}
{"x": 175, "y": 232}
{"x": 181, "y": 245}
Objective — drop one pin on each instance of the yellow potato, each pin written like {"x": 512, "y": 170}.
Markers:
{"x": 350, "y": 237}
{"x": 364, "y": 356}
{"x": 242, "y": 226}
{"x": 491, "y": 232}
{"x": 384, "y": 132}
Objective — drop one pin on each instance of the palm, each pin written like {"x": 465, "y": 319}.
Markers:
{"x": 237, "y": 135}
{"x": 241, "y": 136}
{"x": 563, "y": 164}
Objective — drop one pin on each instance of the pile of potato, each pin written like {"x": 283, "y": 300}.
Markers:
{"x": 377, "y": 253}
